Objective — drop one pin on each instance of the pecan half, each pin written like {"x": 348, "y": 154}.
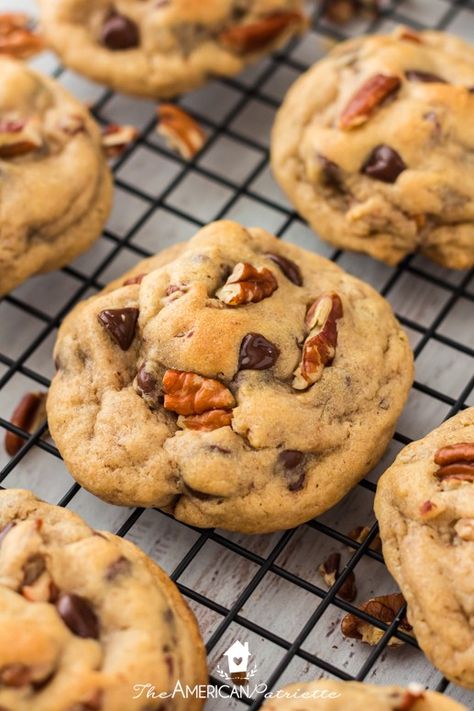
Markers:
{"x": 319, "y": 347}
{"x": 207, "y": 421}
{"x": 191, "y": 394}
{"x": 16, "y": 37}
{"x": 456, "y": 461}
{"x": 383, "y": 608}
{"x": 181, "y": 131}
{"x": 116, "y": 139}
{"x": 18, "y": 137}
{"x": 28, "y": 416}
{"x": 247, "y": 284}
{"x": 256, "y": 35}
{"x": 367, "y": 98}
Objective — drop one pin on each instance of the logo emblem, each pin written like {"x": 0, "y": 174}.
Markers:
{"x": 238, "y": 656}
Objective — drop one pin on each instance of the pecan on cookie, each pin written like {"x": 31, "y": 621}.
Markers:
{"x": 373, "y": 146}
{"x": 425, "y": 508}
{"x": 234, "y": 380}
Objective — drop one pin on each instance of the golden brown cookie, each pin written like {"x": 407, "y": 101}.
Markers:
{"x": 331, "y": 695}
{"x": 374, "y": 144}
{"x": 425, "y": 508}
{"x": 55, "y": 185}
{"x": 234, "y": 380}
{"x": 161, "y": 49}
{"x": 86, "y": 617}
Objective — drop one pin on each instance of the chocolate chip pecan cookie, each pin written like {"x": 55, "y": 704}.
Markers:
{"x": 425, "y": 508}
{"x": 374, "y": 146}
{"x": 234, "y": 380}
{"x": 331, "y": 695}
{"x": 161, "y": 49}
{"x": 86, "y": 618}
{"x": 55, "y": 185}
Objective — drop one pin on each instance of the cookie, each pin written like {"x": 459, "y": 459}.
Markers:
{"x": 160, "y": 49}
{"x": 331, "y": 695}
{"x": 86, "y": 617}
{"x": 425, "y": 508}
{"x": 234, "y": 380}
{"x": 373, "y": 145}
{"x": 55, "y": 185}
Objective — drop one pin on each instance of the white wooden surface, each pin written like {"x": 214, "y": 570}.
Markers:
{"x": 216, "y": 572}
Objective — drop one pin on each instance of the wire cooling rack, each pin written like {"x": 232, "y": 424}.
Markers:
{"x": 264, "y": 590}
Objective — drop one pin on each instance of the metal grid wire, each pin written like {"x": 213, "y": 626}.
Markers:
{"x": 238, "y": 113}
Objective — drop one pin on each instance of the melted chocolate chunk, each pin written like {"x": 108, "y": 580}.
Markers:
{"x": 120, "y": 32}
{"x": 120, "y": 324}
{"x": 256, "y": 353}
{"x": 145, "y": 381}
{"x": 290, "y": 458}
{"x": 33, "y": 568}
{"x": 77, "y": 613}
{"x": 121, "y": 566}
{"x": 331, "y": 172}
{"x": 289, "y": 268}
{"x": 298, "y": 484}
{"x": 6, "y": 529}
{"x": 428, "y": 77}
{"x": 384, "y": 163}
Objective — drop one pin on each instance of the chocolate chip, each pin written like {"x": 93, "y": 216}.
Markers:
{"x": 298, "y": 484}
{"x": 145, "y": 381}
{"x": 33, "y": 568}
{"x": 15, "y": 675}
{"x": 77, "y": 613}
{"x": 289, "y": 268}
{"x": 384, "y": 163}
{"x": 331, "y": 172}
{"x": 256, "y": 353}
{"x": 120, "y": 325}
{"x": 170, "y": 664}
{"x": 428, "y": 77}
{"x": 6, "y": 529}
{"x": 120, "y": 32}
{"x": 290, "y": 458}
{"x": 121, "y": 566}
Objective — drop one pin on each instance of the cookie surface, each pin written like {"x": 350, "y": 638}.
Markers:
{"x": 85, "y": 616}
{"x": 230, "y": 384}
{"x": 373, "y": 145}
{"x": 425, "y": 508}
{"x": 55, "y": 185}
{"x": 331, "y": 695}
{"x": 160, "y": 49}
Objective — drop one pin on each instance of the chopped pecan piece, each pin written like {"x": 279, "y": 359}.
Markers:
{"x": 17, "y": 38}
{"x": 409, "y": 697}
{"x": 116, "y": 139}
{"x": 191, "y": 394}
{"x": 256, "y": 35}
{"x": 360, "y": 533}
{"x": 18, "y": 137}
{"x": 383, "y": 608}
{"x": 465, "y": 529}
{"x": 329, "y": 571}
{"x": 408, "y": 34}
{"x": 247, "y": 284}
{"x": 342, "y": 11}
{"x": 28, "y": 416}
{"x": 319, "y": 347}
{"x": 367, "y": 98}
{"x": 182, "y": 132}
{"x": 456, "y": 462}
{"x": 207, "y": 421}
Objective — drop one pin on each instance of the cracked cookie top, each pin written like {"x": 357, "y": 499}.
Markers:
{"x": 235, "y": 380}
{"x": 425, "y": 508}
{"x": 85, "y": 616}
{"x": 55, "y": 186}
{"x": 160, "y": 49}
{"x": 331, "y": 695}
{"x": 375, "y": 146}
